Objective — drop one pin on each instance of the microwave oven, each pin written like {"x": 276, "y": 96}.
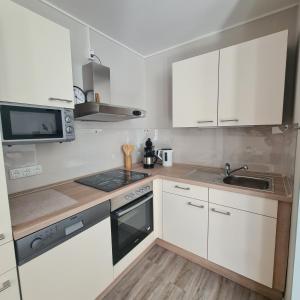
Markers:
{"x": 31, "y": 124}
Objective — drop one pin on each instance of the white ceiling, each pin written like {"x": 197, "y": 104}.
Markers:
{"x": 148, "y": 26}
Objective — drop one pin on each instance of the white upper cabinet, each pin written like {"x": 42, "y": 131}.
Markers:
{"x": 195, "y": 91}
{"x": 237, "y": 86}
{"x": 251, "y": 82}
{"x": 35, "y": 58}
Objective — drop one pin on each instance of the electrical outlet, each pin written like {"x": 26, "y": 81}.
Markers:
{"x": 151, "y": 133}
{"x": 91, "y": 53}
{"x": 25, "y": 172}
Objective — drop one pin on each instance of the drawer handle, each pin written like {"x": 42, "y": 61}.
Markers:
{"x": 2, "y": 236}
{"x": 60, "y": 99}
{"x": 192, "y": 204}
{"x": 229, "y": 120}
{"x": 227, "y": 213}
{"x": 182, "y": 188}
{"x": 202, "y": 122}
{"x": 5, "y": 285}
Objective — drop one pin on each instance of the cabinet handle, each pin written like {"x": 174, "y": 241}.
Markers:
{"x": 229, "y": 120}
{"x": 182, "y": 188}
{"x": 201, "y": 122}
{"x": 5, "y": 285}
{"x": 192, "y": 204}
{"x": 2, "y": 236}
{"x": 60, "y": 99}
{"x": 227, "y": 213}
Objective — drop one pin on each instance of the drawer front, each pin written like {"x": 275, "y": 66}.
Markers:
{"x": 7, "y": 257}
{"x": 252, "y": 204}
{"x": 187, "y": 190}
{"x": 9, "y": 287}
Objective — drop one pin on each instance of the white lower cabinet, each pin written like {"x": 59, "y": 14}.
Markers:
{"x": 80, "y": 268}
{"x": 9, "y": 287}
{"x": 7, "y": 257}
{"x": 185, "y": 223}
{"x": 5, "y": 222}
{"x": 232, "y": 230}
{"x": 243, "y": 242}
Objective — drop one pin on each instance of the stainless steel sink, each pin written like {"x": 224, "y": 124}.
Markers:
{"x": 265, "y": 184}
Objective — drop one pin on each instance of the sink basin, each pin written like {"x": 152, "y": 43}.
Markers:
{"x": 250, "y": 182}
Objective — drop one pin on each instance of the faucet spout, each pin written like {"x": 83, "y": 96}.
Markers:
{"x": 228, "y": 171}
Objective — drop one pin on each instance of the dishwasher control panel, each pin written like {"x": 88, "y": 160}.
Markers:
{"x": 45, "y": 239}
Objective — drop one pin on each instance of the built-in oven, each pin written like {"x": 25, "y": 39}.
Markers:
{"x": 131, "y": 220}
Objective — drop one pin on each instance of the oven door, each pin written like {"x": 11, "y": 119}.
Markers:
{"x": 130, "y": 224}
{"x": 21, "y": 124}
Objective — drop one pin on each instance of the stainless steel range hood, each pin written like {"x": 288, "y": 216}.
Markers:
{"x": 96, "y": 82}
{"x": 92, "y": 111}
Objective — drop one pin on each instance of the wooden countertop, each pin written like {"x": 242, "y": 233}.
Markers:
{"x": 35, "y": 209}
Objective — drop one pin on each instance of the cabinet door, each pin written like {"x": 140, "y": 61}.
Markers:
{"x": 251, "y": 82}
{"x": 35, "y": 58}
{"x": 80, "y": 268}
{"x": 9, "y": 286}
{"x": 185, "y": 222}
{"x": 242, "y": 242}
{"x": 195, "y": 91}
{"x": 7, "y": 257}
{"x": 5, "y": 223}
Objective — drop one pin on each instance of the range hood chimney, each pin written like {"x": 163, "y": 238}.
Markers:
{"x": 96, "y": 84}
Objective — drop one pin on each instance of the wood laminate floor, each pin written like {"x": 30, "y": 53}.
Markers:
{"x": 162, "y": 275}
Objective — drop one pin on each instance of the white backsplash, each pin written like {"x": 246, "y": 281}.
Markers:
{"x": 255, "y": 146}
{"x": 97, "y": 149}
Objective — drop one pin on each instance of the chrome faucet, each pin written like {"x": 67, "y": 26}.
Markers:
{"x": 228, "y": 171}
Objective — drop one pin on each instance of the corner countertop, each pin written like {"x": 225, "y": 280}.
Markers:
{"x": 35, "y": 209}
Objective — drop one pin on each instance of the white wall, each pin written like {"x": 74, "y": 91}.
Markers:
{"x": 96, "y": 151}
{"x": 255, "y": 146}
{"x": 89, "y": 153}
{"x": 147, "y": 84}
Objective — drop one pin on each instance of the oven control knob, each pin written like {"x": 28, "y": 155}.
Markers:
{"x": 69, "y": 129}
{"x": 142, "y": 190}
{"x": 36, "y": 243}
{"x": 68, "y": 119}
{"x": 127, "y": 197}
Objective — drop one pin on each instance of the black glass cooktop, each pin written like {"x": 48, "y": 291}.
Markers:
{"x": 112, "y": 180}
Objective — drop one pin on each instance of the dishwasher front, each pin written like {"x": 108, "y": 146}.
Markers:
{"x": 69, "y": 260}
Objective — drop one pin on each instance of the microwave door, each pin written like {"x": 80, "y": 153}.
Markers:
{"x": 31, "y": 124}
